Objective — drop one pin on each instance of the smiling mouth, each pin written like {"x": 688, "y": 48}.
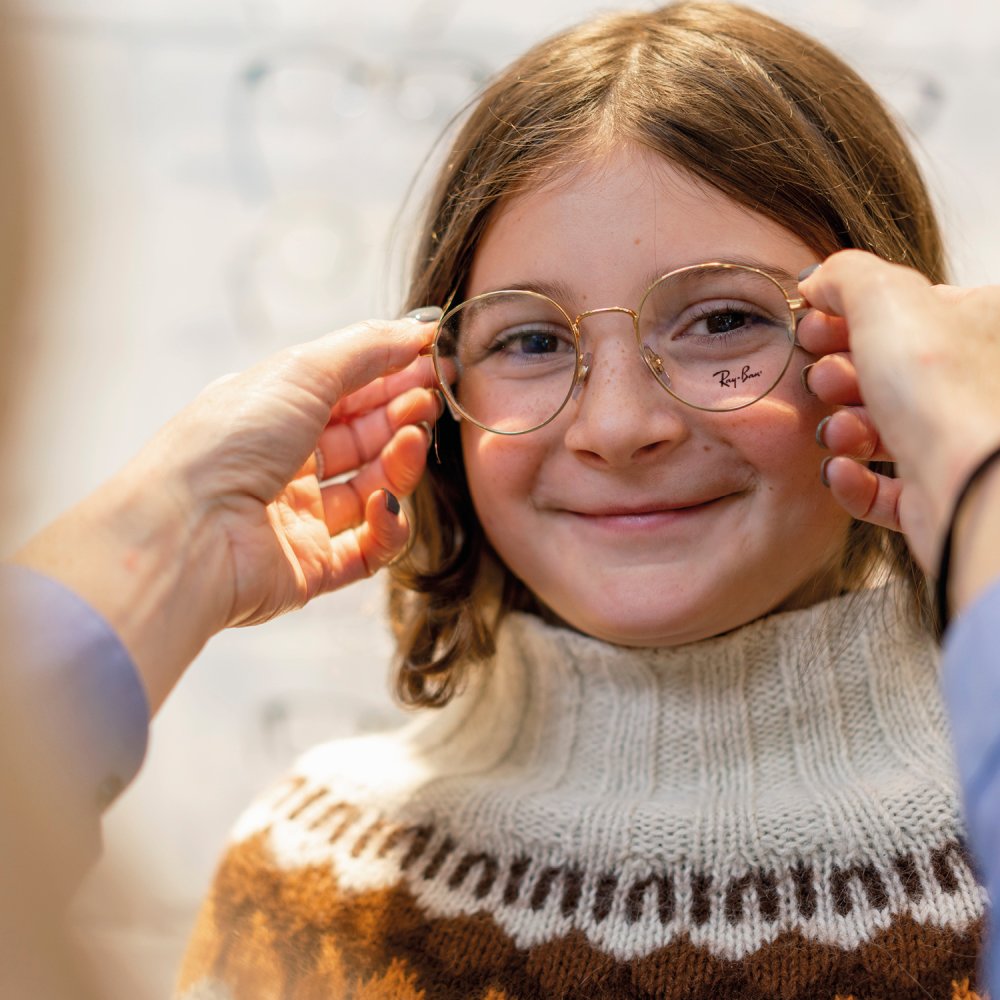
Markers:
{"x": 647, "y": 511}
{"x": 638, "y": 525}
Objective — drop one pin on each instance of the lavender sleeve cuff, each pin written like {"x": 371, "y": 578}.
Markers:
{"x": 970, "y": 679}
{"x": 88, "y": 702}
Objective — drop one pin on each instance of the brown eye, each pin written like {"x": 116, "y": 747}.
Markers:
{"x": 726, "y": 322}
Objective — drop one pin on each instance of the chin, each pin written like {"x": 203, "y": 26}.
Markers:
{"x": 642, "y": 630}
{"x": 677, "y": 619}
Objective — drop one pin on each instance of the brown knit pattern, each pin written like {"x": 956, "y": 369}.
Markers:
{"x": 269, "y": 932}
{"x": 434, "y": 854}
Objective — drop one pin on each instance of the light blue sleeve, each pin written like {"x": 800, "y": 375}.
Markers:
{"x": 81, "y": 695}
{"x": 970, "y": 679}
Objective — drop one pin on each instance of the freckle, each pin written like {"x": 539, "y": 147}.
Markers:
{"x": 706, "y": 447}
{"x": 638, "y": 240}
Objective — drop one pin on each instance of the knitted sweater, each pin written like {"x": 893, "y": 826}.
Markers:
{"x": 770, "y": 813}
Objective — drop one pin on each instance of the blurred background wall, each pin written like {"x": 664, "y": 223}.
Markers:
{"x": 220, "y": 178}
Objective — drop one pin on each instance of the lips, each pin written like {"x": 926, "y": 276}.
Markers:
{"x": 639, "y": 510}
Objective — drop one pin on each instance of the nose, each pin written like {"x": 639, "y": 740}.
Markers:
{"x": 621, "y": 415}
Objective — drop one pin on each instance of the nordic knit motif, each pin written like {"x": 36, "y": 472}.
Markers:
{"x": 770, "y": 813}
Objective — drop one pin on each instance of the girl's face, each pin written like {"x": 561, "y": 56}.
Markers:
{"x": 633, "y": 517}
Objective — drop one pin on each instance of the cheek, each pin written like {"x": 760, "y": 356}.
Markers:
{"x": 782, "y": 422}
{"x": 776, "y": 437}
{"x": 500, "y": 472}
{"x": 485, "y": 458}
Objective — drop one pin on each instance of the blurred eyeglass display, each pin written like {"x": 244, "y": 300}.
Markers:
{"x": 225, "y": 177}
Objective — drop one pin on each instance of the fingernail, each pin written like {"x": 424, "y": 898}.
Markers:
{"x": 804, "y": 377}
{"x": 822, "y": 471}
{"x": 391, "y": 503}
{"x": 806, "y": 271}
{"x": 425, "y": 314}
{"x": 428, "y": 428}
{"x": 821, "y": 430}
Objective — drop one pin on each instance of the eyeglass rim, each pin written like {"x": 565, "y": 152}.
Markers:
{"x": 582, "y": 366}
{"x": 446, "y": 388}
{"x": 794, "y": 306}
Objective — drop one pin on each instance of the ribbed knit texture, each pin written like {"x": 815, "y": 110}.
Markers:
{"x": 768, "y": 813}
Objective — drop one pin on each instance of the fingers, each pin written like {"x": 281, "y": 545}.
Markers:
{"x": 820, "y": 333}
{"x": 864, "y": 494}
{"x": 345, "y": 361}
{"x": 852, "y": 282}
{"x": 338, "y": 364}
{"x": 382, "y": 390}
{"x": 398, "y": 467}
{"x": 834, "y": 379}
{"x": 356, "y": 442}
{"x": 852, "y": 432}
{"x": 379, "y": 539}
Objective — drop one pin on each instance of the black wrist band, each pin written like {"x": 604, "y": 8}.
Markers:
{"x": 944, "y": 564}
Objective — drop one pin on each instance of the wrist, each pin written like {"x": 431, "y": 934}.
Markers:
{"x": 136, "y": 552}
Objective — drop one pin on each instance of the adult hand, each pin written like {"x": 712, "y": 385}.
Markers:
{"x": 914, "y": 368}
{"x": 220, "y": 520}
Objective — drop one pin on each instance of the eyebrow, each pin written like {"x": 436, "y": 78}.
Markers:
{"x": 564, "y": 293}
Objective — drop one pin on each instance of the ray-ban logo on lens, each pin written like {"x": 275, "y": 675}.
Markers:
{"x": 728, "y": 380}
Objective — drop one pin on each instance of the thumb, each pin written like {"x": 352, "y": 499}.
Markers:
{"x": 349, "y": 359}
{"x": 854, "y": 284}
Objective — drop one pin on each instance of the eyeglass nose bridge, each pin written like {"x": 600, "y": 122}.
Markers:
{"x": 606, "y": 309}
{"x": 586, "y": 360}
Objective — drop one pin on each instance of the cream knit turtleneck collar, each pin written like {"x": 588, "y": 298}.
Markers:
{"x": 809, "y": 741}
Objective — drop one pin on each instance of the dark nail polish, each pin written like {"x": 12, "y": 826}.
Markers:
{"x": 804, "y": 378}
{"x": 425, "y": 314}
{"x": 811, "y": 269}
{"x": 391, "y": 503}
{"x": 821, "y": 430}
{"x": 822, "y": 471}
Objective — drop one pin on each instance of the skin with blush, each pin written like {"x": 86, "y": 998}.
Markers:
{"x": 634, "y": 517}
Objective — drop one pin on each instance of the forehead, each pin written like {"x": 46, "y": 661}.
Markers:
{"x": 615, "y": 221}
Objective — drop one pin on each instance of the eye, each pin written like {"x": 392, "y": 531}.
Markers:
{"x": 728, "y": 321}
{"x": 535, "y": 340}
{"x": 723, "y": 321}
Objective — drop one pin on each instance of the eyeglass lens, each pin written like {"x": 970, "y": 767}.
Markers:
{"x": 718, "y": 337}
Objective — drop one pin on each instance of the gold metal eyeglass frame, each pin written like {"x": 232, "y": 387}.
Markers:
{"x": 584, "y": 360}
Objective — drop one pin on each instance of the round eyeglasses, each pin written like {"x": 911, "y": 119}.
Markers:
{"x": 716, "y": 336}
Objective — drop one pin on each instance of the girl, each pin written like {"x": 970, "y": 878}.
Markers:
{"x": 686, "y": 746}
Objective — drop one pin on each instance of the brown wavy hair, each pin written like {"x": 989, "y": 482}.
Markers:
{"x": 749, "y": 105}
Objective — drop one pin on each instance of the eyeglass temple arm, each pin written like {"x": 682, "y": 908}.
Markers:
{"x": 428, "y": 352}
